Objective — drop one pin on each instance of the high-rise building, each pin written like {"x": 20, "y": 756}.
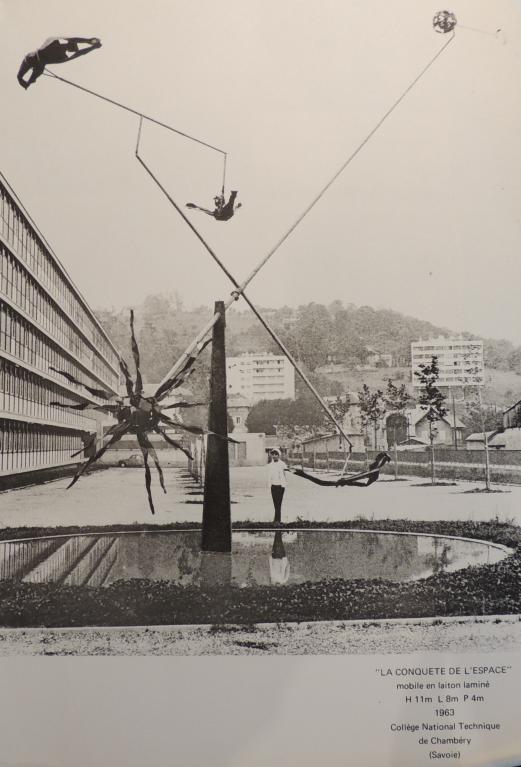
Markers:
{"x": 45, "y": 323}
{"x": 460, "y": 360}
{"x": 260, "y": 376}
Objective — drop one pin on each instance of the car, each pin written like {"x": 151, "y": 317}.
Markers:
{"x": 132, "y": 460}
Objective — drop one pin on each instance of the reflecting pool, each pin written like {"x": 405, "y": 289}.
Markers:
{"x": 258, "y": 557}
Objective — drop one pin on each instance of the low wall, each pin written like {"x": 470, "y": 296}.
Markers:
{"x": 505, "y": 465}
{"x": 38, "y": 476}
{"x": 118, "y": 455}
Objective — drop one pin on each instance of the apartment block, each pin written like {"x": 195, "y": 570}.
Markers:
{"x": 260, "y": 376}
{"x": 460, "y": 360}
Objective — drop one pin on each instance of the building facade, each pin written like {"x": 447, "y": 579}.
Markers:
{"x": 260, "y": 376}
{"x": 44, "y": 323}
{"x": 238, "y": 410}
{"x": 445, "y": 431}
{"x": 460, "y": 360}
{"x": 512, "y": 416}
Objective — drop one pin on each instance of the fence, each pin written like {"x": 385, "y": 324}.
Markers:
{"x": 196, "y": 465}
{"x": 505, "y": 465}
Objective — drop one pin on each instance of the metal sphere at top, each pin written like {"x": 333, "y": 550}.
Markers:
{"x": 444, "y": 21}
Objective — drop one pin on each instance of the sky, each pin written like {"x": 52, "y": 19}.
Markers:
{"x": 425, "y": 220}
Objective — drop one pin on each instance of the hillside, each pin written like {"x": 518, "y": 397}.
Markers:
{"x": 502, "y": 387}
{"x": 314, "y": 334}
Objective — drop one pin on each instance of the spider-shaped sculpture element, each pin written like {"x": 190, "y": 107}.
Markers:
{"x": 137, "y": 414}
{"x": 444, "y": 21}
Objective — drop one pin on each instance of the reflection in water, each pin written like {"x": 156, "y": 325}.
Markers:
{"x": 257, "y": 558}
{"x": 439, "y": 560}
{"x": 71, "y": 561}
{"x": 279, "y": 563}
{"x": 215, "y": 568}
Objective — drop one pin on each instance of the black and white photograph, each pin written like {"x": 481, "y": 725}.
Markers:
{"x": 260, "y": 358}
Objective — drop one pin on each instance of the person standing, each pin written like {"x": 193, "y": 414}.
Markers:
{"x": 277, "y": 481}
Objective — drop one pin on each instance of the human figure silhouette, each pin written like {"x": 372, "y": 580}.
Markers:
{"x": 222, "y": 211}
{"x": 55, "y": 50}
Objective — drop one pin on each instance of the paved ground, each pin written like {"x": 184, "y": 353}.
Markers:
{"x": 325, "y": 638}
{"x": 118, "y": 496}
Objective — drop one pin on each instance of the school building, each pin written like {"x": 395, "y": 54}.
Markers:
{"x": 44, "y": 323}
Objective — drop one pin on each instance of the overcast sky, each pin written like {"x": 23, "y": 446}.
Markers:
{"x": 426, "y": 220}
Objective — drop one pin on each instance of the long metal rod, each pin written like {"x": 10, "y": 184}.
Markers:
{"x": 344, "y": 166}
{"x": 134, "y": 112}
{"x": 235, "y": 295}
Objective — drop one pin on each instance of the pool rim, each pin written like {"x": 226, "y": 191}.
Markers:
{"x": 507, "y": 550}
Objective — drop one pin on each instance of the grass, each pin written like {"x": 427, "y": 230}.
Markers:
{"x": 486, "y": 590}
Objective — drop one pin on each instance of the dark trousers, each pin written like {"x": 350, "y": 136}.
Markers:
{"x": 277, "y": 493}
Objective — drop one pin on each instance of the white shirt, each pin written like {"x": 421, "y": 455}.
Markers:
{"x": 279, "y": 570}
{"x": 276, "y": 473}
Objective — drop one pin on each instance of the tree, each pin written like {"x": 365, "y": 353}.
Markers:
{"x": 267, "y": 414}
{"x": 340, "y": 407}
{"x": 314, "y": 327}
{"x": 303, "y": 416}
{"x": 372, "y": 408}
{"x": 514, "y": 360}
{"x": 432, "y": 400}
{"x": 475, "y": 417}
{"x": 396, "y": 399}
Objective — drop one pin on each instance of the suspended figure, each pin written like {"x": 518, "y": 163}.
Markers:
{"x": 444, "y": 21}
{"x": 223, "y": 210}
{"x": 137, "y": 414}
{"x": 55, "y": 50}
{"x": 361, "y": 479}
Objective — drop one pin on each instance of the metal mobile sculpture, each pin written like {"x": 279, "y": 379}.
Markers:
{"x": 142, "y": 415}
{"x": 137, "y": 414}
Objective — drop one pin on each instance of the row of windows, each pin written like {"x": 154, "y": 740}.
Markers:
{"x": 24, "y": 393}
{"x": 478, "y": 360}
{"x": 17, "y": 231}
{"x": 26, "y": 446}
{"x": 21, "y": 340}
{"x": 272, "y": 361}
{"x": 27, "y": 294}
{"x": 464, "y": 346}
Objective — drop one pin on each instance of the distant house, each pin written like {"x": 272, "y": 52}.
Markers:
{"x": 238, "y": 410}
{"x": 512, "y": 416}
{"x": 476, "y": 441}
{"x": 336, "y": 358}
{"x": 510, "y": 439}
{"x": 375, "y": 358}
{"x": 444, "y": 429}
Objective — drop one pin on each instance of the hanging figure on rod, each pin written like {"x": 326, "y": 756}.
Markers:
{"x": 223, "y": 210}
{"x": 55, "y": 50}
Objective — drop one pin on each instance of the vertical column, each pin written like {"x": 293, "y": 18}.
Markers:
{"x": 217, "y": 525}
